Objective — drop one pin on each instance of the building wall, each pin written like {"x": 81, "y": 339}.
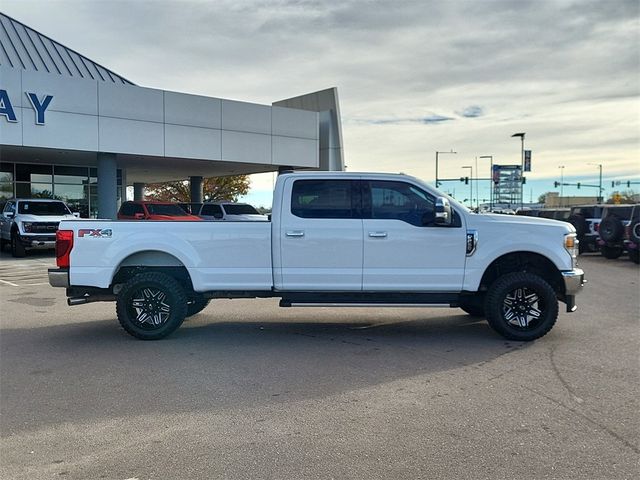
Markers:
{"x": 553, "y": 199}
{"x": 95, "y": 116}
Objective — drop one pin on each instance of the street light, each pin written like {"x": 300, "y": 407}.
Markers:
{"x": 490, "y": 180}
{"x": 600, "y": 197}
{"x": 561, "y": 167}
{"x": 521, "y": 135}
{"x": 438, "y": 153}
{"x": 470, "y": 185}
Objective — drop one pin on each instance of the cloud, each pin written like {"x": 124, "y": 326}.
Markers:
{"x": 472, "y": 111}
{"x": 428, "y": 119}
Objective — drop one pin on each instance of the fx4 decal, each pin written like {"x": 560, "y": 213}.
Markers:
{"x": 94, "y": 232}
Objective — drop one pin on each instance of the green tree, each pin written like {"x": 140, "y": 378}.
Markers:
{"x": 542, "y": 198}
{"x": 214, "y": 188}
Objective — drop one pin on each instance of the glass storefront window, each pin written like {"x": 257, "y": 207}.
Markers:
{"x": 6, "y": 191}
{"x": 75, "y": 196}
{"x": 75, "y": 175}
{"x": 6, "y": 172}
{"x": 34, "y": 173}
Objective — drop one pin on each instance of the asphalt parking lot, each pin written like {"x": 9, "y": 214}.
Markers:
{"x": 248, "y": 390}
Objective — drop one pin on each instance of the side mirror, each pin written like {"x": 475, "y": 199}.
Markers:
{"x": 443, "y": 212}
{"x": 9, "y": 214}
{"x": 138, "y": 216}
{"x": 76, "y": 214}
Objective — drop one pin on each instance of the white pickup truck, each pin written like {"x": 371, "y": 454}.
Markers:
{"x": 334, "y": 239}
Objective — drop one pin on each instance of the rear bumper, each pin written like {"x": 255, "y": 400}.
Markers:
{"x": 59, "y": 277}
{"x": 573, "y": 283}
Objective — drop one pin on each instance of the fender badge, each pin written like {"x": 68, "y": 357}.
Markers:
{"x": 94, "y": 232}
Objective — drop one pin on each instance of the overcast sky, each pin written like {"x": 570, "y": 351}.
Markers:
{"x": 413, "y": 76}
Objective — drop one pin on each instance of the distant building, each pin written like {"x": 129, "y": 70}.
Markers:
{"x": 554, "y": 200}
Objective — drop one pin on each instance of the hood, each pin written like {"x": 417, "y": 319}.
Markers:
{"x": 44, "y": 218}
{"x": 518, "y": 220}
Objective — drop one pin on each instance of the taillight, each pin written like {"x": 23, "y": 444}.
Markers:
{"x": 64, "y": 244}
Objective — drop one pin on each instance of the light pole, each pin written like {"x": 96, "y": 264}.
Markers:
{"x": 521, "y": 135}
{"x": 490, "y": 180}
{"x": 470, "y": 185}
{"x": 561, "y": 167}
{"x": 438, "y": 153}
{"x": 600, "y": 197}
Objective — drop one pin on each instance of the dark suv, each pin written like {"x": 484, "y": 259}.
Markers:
{"x": 632, "y": 236}
{"x": 615, "y": 220}
{"x": 586, "y": 220}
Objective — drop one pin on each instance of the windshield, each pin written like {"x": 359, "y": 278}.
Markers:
{"x": 240, "y": 209}
{"x": 43, "y": 208}
{"x": 166, "y": 209}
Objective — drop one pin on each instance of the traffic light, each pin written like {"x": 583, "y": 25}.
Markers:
{"x": 524, "y": 180}
{"x": 578, "y": 185}
{"x": 466, "y": 180}
{"x": 556, "y": 184}
{"x": 629, "y": 184}
{"x": 613, "y": 184}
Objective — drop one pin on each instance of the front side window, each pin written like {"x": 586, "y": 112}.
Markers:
{"x": 323, "y": 199}
{"x": 211, "y": 210}
{"x": 399, "y": 201}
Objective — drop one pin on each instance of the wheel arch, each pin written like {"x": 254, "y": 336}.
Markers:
{"x": 523, "y": 261}
{"x": 152, "y": 261}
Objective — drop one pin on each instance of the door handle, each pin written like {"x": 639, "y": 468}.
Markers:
{"x": 295, "y": 233}
{"x": 378, "y": 234}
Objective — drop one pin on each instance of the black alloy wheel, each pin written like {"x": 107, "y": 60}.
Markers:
{"x": 151, "y": 305}
{"x": 521, "y": 306}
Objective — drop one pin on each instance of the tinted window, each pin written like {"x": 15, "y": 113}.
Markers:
{"x": 43, "y": 208}
{"x": 623, "y": 213}
{"x": 211, "y": 210}
{"x": 323, "y": 199}
{"x": 400, "y": 201}
{"x": 166, "y": 209}
{"x": 240, "y": 209}
{"x": 127, "y": 209}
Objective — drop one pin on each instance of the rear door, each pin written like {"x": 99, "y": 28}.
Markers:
{"x": 321, "y": 236}
{"x": 404, "y": 250}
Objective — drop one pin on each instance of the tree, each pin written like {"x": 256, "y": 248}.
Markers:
{"x": 626, "y": 196}
{"x": 214, "y": 188}
{"x": 542, "y": 198}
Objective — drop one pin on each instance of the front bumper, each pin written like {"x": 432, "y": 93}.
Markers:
{"x": 573, "y": 283}
{"x": 59, "y": 277}
{"x": 38, "y": 241}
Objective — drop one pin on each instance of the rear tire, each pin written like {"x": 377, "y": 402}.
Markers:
{"x": 611, "y": 252}
{"x": 17, "y": 249}
{"x": 151, "y": 306}
{"x": 521, "y": 306}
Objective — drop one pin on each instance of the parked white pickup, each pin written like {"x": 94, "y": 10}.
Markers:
{"x": 333, "y": 239}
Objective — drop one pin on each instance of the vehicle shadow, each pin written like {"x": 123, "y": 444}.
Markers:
{"x": 93, "y": 370}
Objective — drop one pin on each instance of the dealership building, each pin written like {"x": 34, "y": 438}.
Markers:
{"x": 75, "y": 130}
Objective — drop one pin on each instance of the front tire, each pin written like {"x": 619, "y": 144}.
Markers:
{"x": 611, "y": 252}
{"x": 17, "y": 249}
{"x": 521, "y": 306}
{"x": 151, "y": 306}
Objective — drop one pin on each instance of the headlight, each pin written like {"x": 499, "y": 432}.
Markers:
{"x": 27, "y": 227}
{"x": 571, "y": 245}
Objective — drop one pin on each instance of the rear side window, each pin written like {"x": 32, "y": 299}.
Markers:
{"x": 323, "y": 199}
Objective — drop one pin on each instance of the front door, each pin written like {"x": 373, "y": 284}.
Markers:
{"x": 404, "y": 250}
